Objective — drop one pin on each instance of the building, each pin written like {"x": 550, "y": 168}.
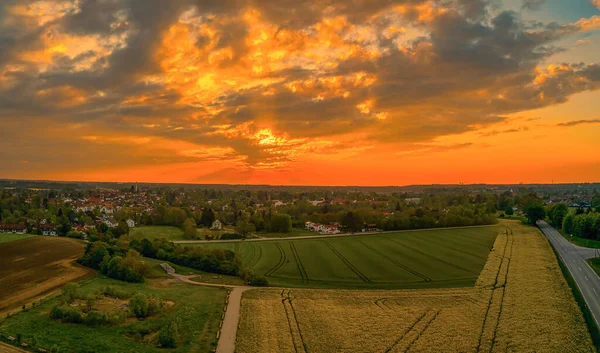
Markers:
{"x": 217, "y": 225}
{"x": 48, "y": 230}
{"x": 13, "y": 228}
{"x": 130, "y": 223}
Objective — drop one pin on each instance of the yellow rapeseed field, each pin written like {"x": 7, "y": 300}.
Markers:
{"x": 520, "y": 303}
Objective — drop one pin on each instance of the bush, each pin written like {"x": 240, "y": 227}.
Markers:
{"x": 66, "y": 314}
{"x": 138, "y": 305}
{"x": 115, "y": 292}
{"x": 226, "y": 236}
{"x": 69, "y": 292}
{"x": 167, "y": 336}
{"x": 94, "y": 318}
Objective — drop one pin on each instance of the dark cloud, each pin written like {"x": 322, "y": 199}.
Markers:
{"x": 580, "y": 122}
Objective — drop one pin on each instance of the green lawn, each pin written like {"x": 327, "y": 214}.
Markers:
{"x": 416, "y": 259}
{"x": 196, "y": 309}
{"x": 294, "y": 232}
{"x": 6, "y": 237}
{"x": 213, "y": 233}
{"x": 595, "y": 264}
{"x": 588, "y": 243}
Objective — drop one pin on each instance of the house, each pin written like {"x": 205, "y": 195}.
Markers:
{"x": 48, "y": 230}
{"x": 13, "y": 228}
{"x": 278, "y": 203}
{"x": 110, "y": 224}
{"x": 413, "y": 201}
{"x": 370, "y": 227}
{"x": 130, "y": 223}
{"x": 216, "y": 225}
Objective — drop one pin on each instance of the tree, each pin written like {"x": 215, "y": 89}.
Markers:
{"x": 69, "y": 292}
{"x": 281, "y": 223}
{"x": 122, "y": 228}
{"x": 352, "y": 221}
{"x": 535, "y": 212}
{"x": 556, "y": 213}
{"x": 244, "y": 228}
{"x": 208, "y": 217}
{"x": 509, "y": 210}
{"x": 189, "y": 228}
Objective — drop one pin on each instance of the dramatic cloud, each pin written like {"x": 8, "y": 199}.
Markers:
{"x": 262, "y": 85}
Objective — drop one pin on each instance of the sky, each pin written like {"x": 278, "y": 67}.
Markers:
{"x": 292, "y": 92}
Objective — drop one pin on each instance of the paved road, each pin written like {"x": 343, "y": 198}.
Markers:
{"x": 574, "y": 258}
{"x": 321, "y": 235}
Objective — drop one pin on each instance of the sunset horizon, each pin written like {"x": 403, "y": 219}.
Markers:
{"x": 288, "y": 93}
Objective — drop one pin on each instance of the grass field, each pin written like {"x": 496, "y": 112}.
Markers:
{"x": 197, "y": 311}
{"x": 415, "y": 259}
{"x": 194, "y": 275}
{"x": 153, "y": 232}
{"x": 588, "y": 243}
{"x": 5, "y": 238}
{"x": 36, "y": 266}
{"x": 595, "y": 264}
{"x": 520, "y": 303}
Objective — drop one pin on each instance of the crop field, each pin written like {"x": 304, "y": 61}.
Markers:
{"x": 35, "y": 266}
{"x": 520, "y": 303}
{"x": 415, "y": 259}
{"x": 196, "y": 310}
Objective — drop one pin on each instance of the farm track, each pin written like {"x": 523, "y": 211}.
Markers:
{"x": 493, "y": 312}
{"x": 432, "y": 257}
{"x": 280, "y": 263}
{"x": 292, "y": 319}
{"x": 348, "y": 263}
{"x": 382, "y": 303}
{"x": 299, "y": 264}
{"x": 406, "y": 268}
{"x": 414, "y": 332}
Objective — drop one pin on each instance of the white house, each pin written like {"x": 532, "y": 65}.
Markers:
{"x": 48, "y": 230}
{"x": 216, "y": 225}
{"x": 130, "y": 223}
{"x": 13, "y": 228}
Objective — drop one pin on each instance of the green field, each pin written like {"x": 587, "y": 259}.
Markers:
{"x": 196, "y": 309}
{"x": 586, "y": 243}
{"x": 6, "y": 237}
{"x": 413, "y": 259}
{"x": 152, "y": 232}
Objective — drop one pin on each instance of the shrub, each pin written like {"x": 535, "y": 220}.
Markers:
{"x": 66, "y": 314}
{"x": 94, "y": 318}
{"x": 167, "y": 336}
{"x": 226, "y": 236}
{"x": 115, "y": 292}
{"x": 258, "y": 281}
{"x": 69, "y": 292}
{"x": 138, "y": 305}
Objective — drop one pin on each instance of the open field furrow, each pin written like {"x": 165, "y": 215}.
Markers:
{"x": 348, "y": 263}
{"x": 425, "y": 278}
{"x": 433, "y": 257}
{"x": 410, "y": 328}
{"x": 420, "y": 333}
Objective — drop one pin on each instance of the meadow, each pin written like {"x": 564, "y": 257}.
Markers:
{"x": 196, "y": 310}
{"x": 519, "y": 303}
{"x": 154, "y": 232}
{"x": 35, "y": 266}
{"x": 6, "y": 237}
{"x": 410, "y": 259}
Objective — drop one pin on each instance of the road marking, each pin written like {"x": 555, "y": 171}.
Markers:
{"x": 580, "y": 269}
{"x": 586, "y": 278}
{"x": 594, "y": 289}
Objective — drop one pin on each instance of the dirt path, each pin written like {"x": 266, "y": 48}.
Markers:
{"x": 232, "y": 315}
{"x": 7, "y": 348}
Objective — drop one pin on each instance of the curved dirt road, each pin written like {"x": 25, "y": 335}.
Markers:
{"x": 232, "y": 315}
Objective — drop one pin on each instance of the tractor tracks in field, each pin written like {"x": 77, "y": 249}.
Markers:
{"x": 348, "y": 263}
{"x": 292, "y": 319}
{"x": 390, "y": 259}
{"x": 299, "y": 264}
{"x": 491, "y": 320}
{"x": 432, "y": 257}
{"x": 282, "y": 260}
{"x": 412, "y": 334}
